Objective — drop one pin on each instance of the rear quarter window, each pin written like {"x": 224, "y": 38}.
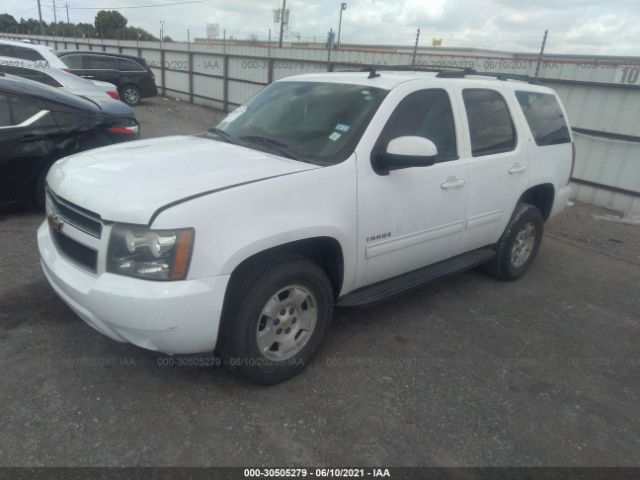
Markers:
{"x": 125, "y": 65}
{"x": 21, "y": 53}
{"x": 545, "y": 118}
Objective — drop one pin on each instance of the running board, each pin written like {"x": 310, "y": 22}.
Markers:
{"x": 394, "y": 286}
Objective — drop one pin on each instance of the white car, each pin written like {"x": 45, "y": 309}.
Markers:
{"x": 63, "y": 80}
{"x": 324, "y": 189}
{"x": 27, "y": 54}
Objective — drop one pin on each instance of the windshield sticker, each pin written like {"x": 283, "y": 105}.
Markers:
{"x": 365, "y": 92}
{"x": 341, "y": 127}
{"x": 335, "y": 136}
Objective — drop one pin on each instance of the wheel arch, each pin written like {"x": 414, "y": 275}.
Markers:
{"x": 540, "y": 196}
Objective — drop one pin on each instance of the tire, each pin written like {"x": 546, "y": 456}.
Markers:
{"x": 517, "y": 248}
{"x": 130, "y": 94}
{"x": 262, "y": 338}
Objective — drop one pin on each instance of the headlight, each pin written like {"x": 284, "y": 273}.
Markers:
{"x": 150, "y": 254}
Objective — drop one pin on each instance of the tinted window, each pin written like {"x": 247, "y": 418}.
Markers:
{"x": 5, "y": 116}
{"x": 545, "y": 118}
{"x": 129, "y": 66}
{"x": 100, "y": 62}
{"x": 23, "y": 109}
{"x": 427, "y": 114}
{"x": 20, "y": 52}
{"x": 490, "y": 125}
{"x": 30, "y": 74}
{"x": 73, "y": 61}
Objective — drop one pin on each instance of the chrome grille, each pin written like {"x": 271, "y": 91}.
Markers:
{"x": 79, "y": 217}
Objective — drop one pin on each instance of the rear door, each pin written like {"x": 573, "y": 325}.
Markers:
{"x": 27, "y": 131}
{"x": 498, "y": 164}
{"x": 101, "y": 67}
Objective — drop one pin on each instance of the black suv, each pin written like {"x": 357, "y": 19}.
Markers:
{"x": 130, "y": 74}
{"x": 40, "y": 124}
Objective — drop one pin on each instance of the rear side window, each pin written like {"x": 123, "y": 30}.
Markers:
{"x": 545, "y": 118}
{"x": 5, "y": 115}
{"x": 99, "y": 62}
{"x": 73, "y": 61}
{"x": 23, "y": 109}
{"x": 490, "y": 125}
{"x": 20, "y": 52}
{"x": 129, "y": 66}
{"x": 428, "y": 114}
{"x": 30, "y": 74}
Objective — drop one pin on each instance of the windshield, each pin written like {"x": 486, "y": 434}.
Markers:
{"x": 313, "y": 122}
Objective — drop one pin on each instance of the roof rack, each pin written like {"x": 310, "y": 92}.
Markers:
{"x": 446, "y": 72}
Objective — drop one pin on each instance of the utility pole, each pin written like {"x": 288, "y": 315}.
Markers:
{"x": 40, "y": 17}
{"x": 343, "y": 7}
{"x": 67, "y": 7}
{"x": 415, "y": 49}
{"x": 161, "y": 32}
{"x": 282, "y": 15}
{"x": 544, "y": 42}
{"x": 55, "y": 17}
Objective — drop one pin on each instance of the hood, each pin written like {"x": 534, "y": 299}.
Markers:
{"x": 128, "y": 182}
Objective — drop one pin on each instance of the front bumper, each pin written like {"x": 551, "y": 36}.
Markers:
{"x": 170, "y": 317}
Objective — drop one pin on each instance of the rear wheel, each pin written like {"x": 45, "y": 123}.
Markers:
{"x": 277, "y": 316}
{"x": 517, "y": 248}
{"x": 130, "y": 94}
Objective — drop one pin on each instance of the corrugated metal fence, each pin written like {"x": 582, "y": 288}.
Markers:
{"x": 602, "y": 94}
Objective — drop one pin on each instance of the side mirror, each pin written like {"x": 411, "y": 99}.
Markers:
{"x": 406, "y": 152}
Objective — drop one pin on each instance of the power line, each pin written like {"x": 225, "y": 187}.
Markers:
{"x": 139, "y": 6}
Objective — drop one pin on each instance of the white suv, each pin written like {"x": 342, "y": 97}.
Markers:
{"x": 326, "y": 189}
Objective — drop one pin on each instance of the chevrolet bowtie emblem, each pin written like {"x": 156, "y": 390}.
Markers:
{"x": 54, "y": 222}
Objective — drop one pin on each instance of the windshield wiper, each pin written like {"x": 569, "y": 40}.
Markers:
{"x": 224, "y": 136}
{"x": 276, "y": 145}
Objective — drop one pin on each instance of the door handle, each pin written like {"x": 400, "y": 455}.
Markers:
{"x": 452, "y": 182}
{"x": 517, "y": 168}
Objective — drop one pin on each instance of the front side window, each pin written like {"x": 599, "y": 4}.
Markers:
{"x": 490, "y": 125}
{"x": 309, "y": 121}
{"x": 23, "y": 109}
{"x": 73, "y": 61}
{"x": 545, "y": 118}
{"x": 427, "y": 114}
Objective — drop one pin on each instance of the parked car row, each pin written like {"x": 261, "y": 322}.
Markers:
{"x": 47, "y": 113}
{"x": 132, "y": 77}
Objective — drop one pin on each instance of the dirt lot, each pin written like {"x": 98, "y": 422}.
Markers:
{"x": 465, "y": 371}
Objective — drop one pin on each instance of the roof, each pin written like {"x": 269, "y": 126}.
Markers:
{"x": 389, "y": 79}
{"x": 13, "y": 84}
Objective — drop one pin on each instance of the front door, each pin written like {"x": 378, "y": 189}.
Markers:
{"x": 412, "y": 217}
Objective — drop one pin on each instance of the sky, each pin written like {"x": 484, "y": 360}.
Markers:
{"x": 575, "y": 26}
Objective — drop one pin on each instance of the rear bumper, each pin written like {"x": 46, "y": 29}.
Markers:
{"x": 561, "y": 200}
{"x": 170, "y": 317}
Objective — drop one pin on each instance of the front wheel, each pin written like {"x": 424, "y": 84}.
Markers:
{"x": 519, "y": 244}
{"x": 277, "y": 317}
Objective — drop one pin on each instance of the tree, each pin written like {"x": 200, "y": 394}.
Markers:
{"x": 8, "y": 23}
{"x": 110, "y": 23}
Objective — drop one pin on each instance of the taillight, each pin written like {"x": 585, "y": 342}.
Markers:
{"x": 153, "y": 77}
{"x": 68, "y": 70}
{"x": 114, "y": 95}
{"x": 132, "y": 130}
{"x": 573, "y": 161}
